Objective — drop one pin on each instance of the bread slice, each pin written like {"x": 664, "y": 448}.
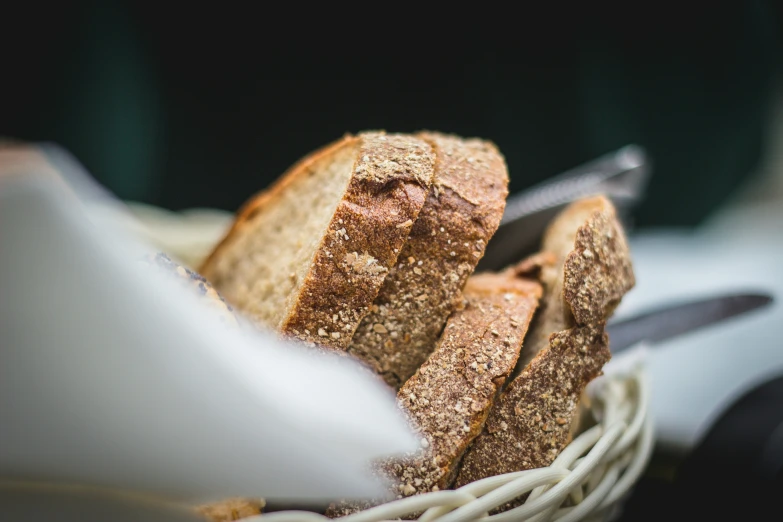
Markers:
{"x": 580, "y": 287}
{"x": 532, "y": 419}
{"x": 462, "y": 211}
{"x": 450, "y": 396}
{"x": 308, "y": 256}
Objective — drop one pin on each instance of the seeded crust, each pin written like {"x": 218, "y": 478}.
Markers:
{"x": 448, "y": 399}
{"x": 584, "y": 249}
{"x": 231, "y": 509}
{"x": 388, "y": 187}
{"x": 598, "y": 271}
{"x": 462, "y": 211}
{"x": 533, "y": 419}
{"x": 530, "y": 424}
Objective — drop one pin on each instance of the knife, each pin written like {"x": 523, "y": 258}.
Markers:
{"x": 663, "y": 323}
{"x": 621, "y": 176}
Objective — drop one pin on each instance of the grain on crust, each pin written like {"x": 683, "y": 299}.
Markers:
{"x": 463, "y": 210}
{"x": 231, "y": 509}
{"x": 584, "y": 249}
{"x": 448, "y": 399}
{"x": 536, "y": 414}
{"x": 386, "y": 190}
{"x": 598, "y": 271}
{"x": 368, "y": 230}
{"x": 531, "y": 422}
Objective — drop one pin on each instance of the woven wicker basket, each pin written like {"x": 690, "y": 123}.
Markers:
{"x": 588, "y": 481}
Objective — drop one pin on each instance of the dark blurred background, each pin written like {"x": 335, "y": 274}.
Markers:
{"x": 184, "y": 107}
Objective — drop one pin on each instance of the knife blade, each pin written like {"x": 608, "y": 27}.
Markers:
{"x": 621, "y": 176}
{"x": 664, "y": 323}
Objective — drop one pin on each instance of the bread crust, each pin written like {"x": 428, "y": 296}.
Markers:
{"x": 463, "y": 210}
{"x": 448, "y": 399}
{"x": 532, "y": 420}
{"x": 231, "y": 509}
{"x": 598, "y": 272}
{"x": 389, "y": 183}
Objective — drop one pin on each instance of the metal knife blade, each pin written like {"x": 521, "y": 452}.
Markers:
{"x": 621, "y": 175}
{"x": 664, "y": 323}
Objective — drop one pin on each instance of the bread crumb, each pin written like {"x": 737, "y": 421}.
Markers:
{"x": 379, "y": 328}
{"x": 405, "y": 224}
{"x": 322, "y": 332}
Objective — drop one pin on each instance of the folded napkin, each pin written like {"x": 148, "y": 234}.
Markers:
{"x": 114, "y": 375}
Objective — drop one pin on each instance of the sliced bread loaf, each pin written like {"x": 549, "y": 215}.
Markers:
{"x": 531, "y": 421}
{"x": 450, "y": 396}
{"x": 308, "y": 256}
{"x": 462, "y": 211}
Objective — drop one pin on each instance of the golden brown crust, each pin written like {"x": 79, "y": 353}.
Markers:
{"x": 535, "y": 415}
{"x": 531, "y": 422}
{"x": 462, "y": 211}
{"x": 231, "y": 509}
{"x": 449, "y": 397}
{"x": 596, "y": 280}
{"x": 598, "y": 271}
{"x": 258, "y": 201}
{"x": 384, "y": 196}
{"x": 382, "y": 201}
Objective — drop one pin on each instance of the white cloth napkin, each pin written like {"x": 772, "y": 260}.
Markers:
{"x": 113, "y": 375}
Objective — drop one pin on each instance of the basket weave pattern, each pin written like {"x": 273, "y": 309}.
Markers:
{"x": 587, "y": 481}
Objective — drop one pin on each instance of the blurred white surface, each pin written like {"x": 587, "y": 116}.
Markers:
{"x": 695, "y": 377}
{"x": 113, "y": 375}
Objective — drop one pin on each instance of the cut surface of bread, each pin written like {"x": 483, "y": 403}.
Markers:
{"x": 307, "y": 257}
{"x": 532, "y": 419}
{"x": 450, "y": 396}
{"x": 463, "y": 210}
